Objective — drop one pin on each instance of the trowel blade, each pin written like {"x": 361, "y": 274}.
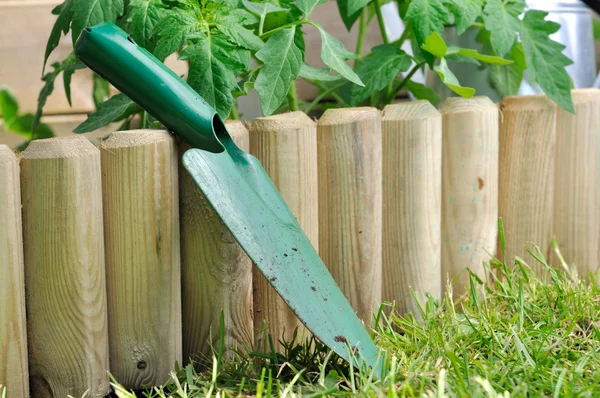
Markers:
{"x": 251, "y": 208}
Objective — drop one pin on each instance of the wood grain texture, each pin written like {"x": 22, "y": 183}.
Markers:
{"x": 64, "y": 268}
{"x": 14, "y": 373}
{"x": 216, "y": 273}
{"x": 141, "y": 221}
{"x": 577, "y": 178}
{"x": 526, "y": 176}
{"x": 286, "y": 145}
{"x": 412, "y": 190}
{"x": 349, "y": 167}
{"x": 469, "y": 189}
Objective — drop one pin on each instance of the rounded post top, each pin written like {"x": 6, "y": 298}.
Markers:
{"x": 59, "y": 147}
{"x": 133, "y": 138}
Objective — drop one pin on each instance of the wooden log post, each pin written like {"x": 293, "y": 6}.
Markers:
{"x": 216, "y": 273}
{"x": 526, "y": 177}
{"x": 141, "y": 221}
{"x": 286, "y": 145}
{"x": 64, "y": 268}
{"x": 412, "y": 191}
{"x": 469, "y": 189}
{"x": 349, "y": 167}
{"x": 577, "y": 175}
{"x": 14, "y": 374}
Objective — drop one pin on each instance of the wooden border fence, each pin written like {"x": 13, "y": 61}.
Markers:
{"x": 112, "y": 259}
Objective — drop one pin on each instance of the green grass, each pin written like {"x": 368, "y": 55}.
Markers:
{"x": 515, "y": 336}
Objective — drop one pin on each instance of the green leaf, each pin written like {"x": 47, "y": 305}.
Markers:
{"x": 422, "y": 92}
{"x": 348, "y": 19}
{"x": 142, "y": 16}
{"x": 434, "y": 44}
{"x": 61, "y": 26}
{"x": 596, "y": 28}
{"x": 70, "y": 65}
{"x": 318, "y": 74}
{"x": 281, "y": 59}
{"x": 461, "y": 58}
{"x": 354, "y": 6}
{"x": 378, "y": 70}
{"x": 488, "y": 59}
{"x": 427, "y": 16}
{"x": 501, "y": 19}
{"x": 114, "y": 109}
{"x": 212, "y": 64}
{"x": 545, "y": 60}
{"x": 9, "y": 106}
{"x": 101, "y": 90}
{"x": 174, "y": 32}
{"x": 450, "y": 80}
{"x": 335, "y": 56}
{"x": 466, "y": 13}
{"x": 237, "y": 16}
{"x": 91, "y": 12}
{"x": 241, "y": 36}
{"x": 307, "y": 6}
{"x": 45, "y": 92}
{"x": 262, "y": 8}
{"x": 21, "y": 125}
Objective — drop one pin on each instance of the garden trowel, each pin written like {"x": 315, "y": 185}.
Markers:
{"x": 237, "y": 187}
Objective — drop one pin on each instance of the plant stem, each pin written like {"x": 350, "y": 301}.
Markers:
{"x": 405, "y": 80}
{"x": 362, "y": 28}
{"x": 292, "y": 98}
{"x": 335, "y": 95}
{"x": 381, "y": 23}
{"x": 321, "y": 96}
{"x": 234, "y": 115}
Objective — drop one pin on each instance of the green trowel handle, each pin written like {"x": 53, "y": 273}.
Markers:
{"x": 112, "y": 54}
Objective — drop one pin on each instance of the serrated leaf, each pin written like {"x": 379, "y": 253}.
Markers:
{"x": 281, "y": 60}
{"x": 242, "y": 36}
{"x": 237, "y": 16}
{"x": 422, "y": 92}
{"x": 378, "y": 70}
{"x": 488, "y": 59}
{"x": 91, "y": 12}
{"x": 212, "y": 62}
{"x": 142, "y": 16}
{"x": 545, "y": 60}
{"x": 70, "y": 66}
{"x": 114, "y": 109}
{"x": 262, "y": 8}
{"x": 434, "y": 44}
{"x": 174, "y": 32}
{"x": 61, "y": 26}
{"x": 9, "y": 106}
{"x": 45, "y": 92}
{"x": 348, "y": 19}
{"x": 506, "y": 79}
{"x": 318, "y": 74}
{"x": 335, "y": 56}
{"x": 450, "y": 80}
{"x": 427, "y": 16}
{"x": 461, "y": 58}
{"x": 501, "y": 19}
{"x": 466, "y": 13}
{"x": 356, "y": 6}
{"x": 307, "y": 6}
{"x": 101, "y": 90}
